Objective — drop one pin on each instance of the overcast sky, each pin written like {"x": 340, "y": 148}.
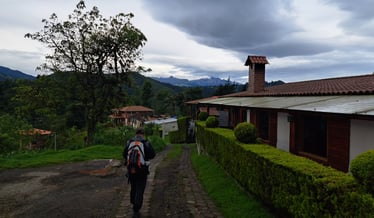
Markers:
{"x": 302, "y": 39}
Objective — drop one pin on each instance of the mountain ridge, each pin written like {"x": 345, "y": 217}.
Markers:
{"x": 211, "y": 81}
{"x": 7, "y": 73}
{"x": 170, "y": 83}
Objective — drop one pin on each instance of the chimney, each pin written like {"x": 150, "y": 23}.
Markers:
{"x": 256, "y": 77}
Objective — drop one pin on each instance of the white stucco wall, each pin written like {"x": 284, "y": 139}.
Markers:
{"x": 168, "y": 127}
{"x": 361, "y": 138}
{"x": 283, "y": 132}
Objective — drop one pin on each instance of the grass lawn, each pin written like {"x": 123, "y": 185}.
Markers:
{"x": 48, "y": 157}
{"x": 232, "y": 200}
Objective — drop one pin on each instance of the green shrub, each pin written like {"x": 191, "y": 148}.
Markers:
{"x": 245, "y": 132}
{"x": 113, "y": 135}
{"x": 152, "y": 129}
{"x": 10, "y": 136}
{"x": 203, "y": 116}
{"x": 72, "y": 138}
{"x": 362, "y": 168}
{"x": 212, "y": 122}
{"x": 157, "y": 142}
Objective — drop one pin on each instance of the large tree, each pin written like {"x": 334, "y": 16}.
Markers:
{"x": 99, "y": 51}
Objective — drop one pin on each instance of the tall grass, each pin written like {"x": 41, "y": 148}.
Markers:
{"x": 225, "y": 192}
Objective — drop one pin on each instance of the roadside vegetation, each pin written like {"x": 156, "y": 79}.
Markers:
{"x": 48, "y": 157}
{"x": 111, "y": 146}
{"x": 228, "y": 196}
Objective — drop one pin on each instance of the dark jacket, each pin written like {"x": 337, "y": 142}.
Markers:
{"x": 149, "y": 152}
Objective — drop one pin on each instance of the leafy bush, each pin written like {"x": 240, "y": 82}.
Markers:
{"x": 245, "y": 132}
{"x": 152, "y": 129}
{"x": 157, "y": 142}
{"x": 203, "y": 116}
{"x": 72, "y": 138}
{"x": 10, "y": 136}
{"x": 212, "y": 122}
{"x": 113, "y": 135}
{"x": 362, "y": 168}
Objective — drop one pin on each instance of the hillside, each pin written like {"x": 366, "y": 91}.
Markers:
{"x": 7, "y": 73}
{"x": 157, "y": 85}
{"x": 171, "y": 84}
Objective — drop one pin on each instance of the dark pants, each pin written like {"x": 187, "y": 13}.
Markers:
{"x": 138, "y": 183}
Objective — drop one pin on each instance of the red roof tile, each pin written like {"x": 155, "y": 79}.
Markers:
{"x": 256, "y": 60}
{"x": 36, "y": 131}
{"x": 352, "y": 85}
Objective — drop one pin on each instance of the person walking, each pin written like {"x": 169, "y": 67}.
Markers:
{"x": 137, "y": 153}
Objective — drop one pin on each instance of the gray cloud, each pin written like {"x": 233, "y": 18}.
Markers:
{"x": 314, "y": 41}
{"x": 257, "y": 27}
{"x": 361, "y": 20}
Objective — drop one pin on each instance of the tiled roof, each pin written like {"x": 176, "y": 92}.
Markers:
{"x": 135, "y": 109}
{"x": 36, "y": 131}
{"x": 352, "y": 85}
{"x": 256, "y": 60}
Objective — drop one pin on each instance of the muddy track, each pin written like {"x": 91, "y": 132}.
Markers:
{"x": 67, "y": 190}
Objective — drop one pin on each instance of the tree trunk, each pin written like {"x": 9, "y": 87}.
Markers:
{"x": 91, "y": 127}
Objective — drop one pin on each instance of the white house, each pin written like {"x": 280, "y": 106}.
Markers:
{"x": 167, "y": 125}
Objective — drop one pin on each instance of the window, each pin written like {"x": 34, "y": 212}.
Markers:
{"x": 244, "y": 115}
{"x": 263, "y": 125}
{"x": 315, "y": 135}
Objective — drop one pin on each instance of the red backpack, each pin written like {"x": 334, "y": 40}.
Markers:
{"x": 135, "y": 157}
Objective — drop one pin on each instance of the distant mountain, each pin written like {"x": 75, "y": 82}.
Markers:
{"x": 212, "y": 81}
{"x": 138, "y": 80}
{"x": 7, "y": 73}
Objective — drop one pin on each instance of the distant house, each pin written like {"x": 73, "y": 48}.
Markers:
{"x": 133, "y": 116}
{"x": 167, "y": 125}
{"x": 38, "y": 138}
{"x": 330, "y": 121}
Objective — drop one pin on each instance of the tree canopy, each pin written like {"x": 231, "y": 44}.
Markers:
{"x": 99, "y": 51}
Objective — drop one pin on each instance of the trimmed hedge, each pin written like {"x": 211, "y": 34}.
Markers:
{"x": 294, "y": 186}
{"x": 212, "y": 122}
{"x": 245, "y": 132}
{"x": 203, "y": 116}
{"x": 180, "y": 136}
{"x": 362, "y": 168}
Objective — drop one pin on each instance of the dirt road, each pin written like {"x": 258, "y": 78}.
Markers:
{"x": 92, "y": 189}
{"x": 67, "y": 190}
